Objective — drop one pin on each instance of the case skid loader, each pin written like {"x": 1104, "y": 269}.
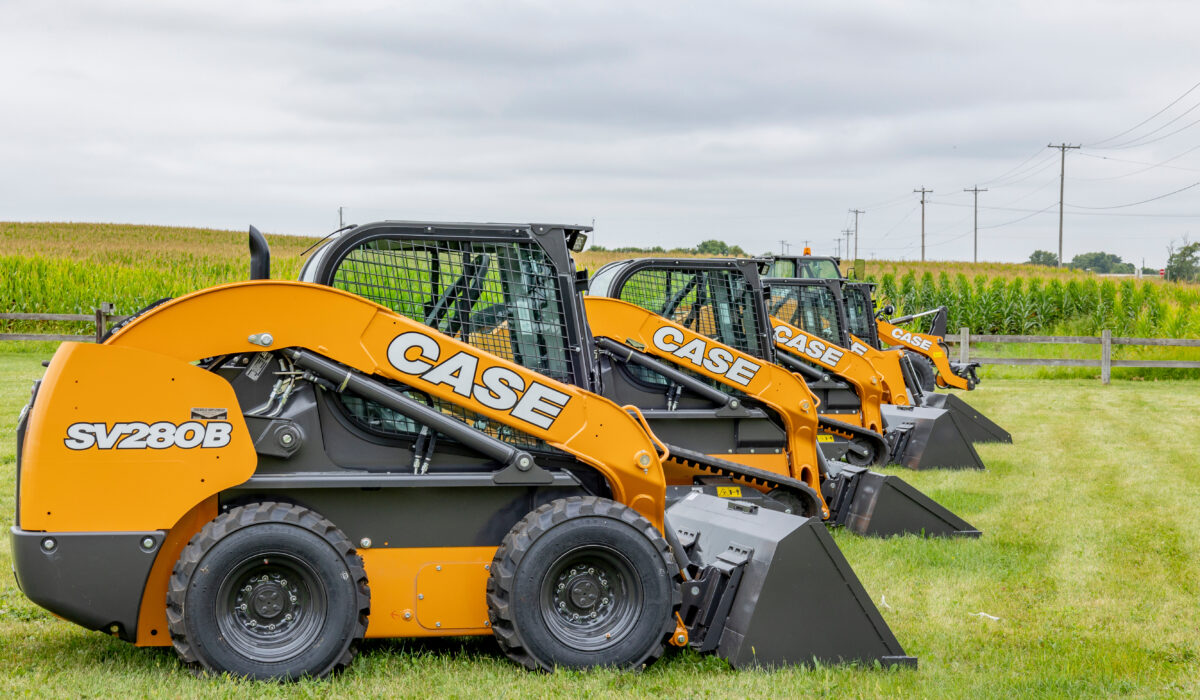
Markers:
{"x": 854, "y": 379}
{"x": 262, "y": 473}
{"x": 689, "y": 343}
{"x": 929, "y": 360}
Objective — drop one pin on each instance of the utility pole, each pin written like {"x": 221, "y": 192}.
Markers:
{"x": 976, "y": 191}
{"x": 856, "y": 212}
{"x": 846, "y": 232}
{"x": 341, "y": 224}
{"x": 923, "y": 192}
{"x": 783, "y": 245}
{"x": 838, "y": 240}
{"x": 1062, "y": 178}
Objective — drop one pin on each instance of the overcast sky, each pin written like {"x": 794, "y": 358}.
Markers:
{"x": 665, "y": 122}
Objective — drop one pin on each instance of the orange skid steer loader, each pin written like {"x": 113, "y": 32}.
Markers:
{"x": 688, "y": 341}
{"x": 855, "y": 379}
{"x": 263, "y": 473}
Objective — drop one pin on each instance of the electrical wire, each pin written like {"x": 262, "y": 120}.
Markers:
{"x": 1163, "y": 164}
{"x": 1144, "y": 201}
{"x": 1148, "y": 119}
{"x": 1027, "y": 216}
{"x": 1018, "y": 167}
{"x": 1160, "y": 138}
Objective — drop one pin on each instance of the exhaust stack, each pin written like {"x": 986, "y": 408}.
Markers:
{"x": 260, "y": 256}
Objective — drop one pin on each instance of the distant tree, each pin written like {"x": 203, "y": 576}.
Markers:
{"x": 713, "y": 247}
{"x": 1043, "y": 257}
{"x": 1183, "y": 263}
{"x": 1103, "y": 263}
{"x": 1149, "y": 271}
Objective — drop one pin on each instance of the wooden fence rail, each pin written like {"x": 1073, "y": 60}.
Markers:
{"x": 103, "y": 318}
{"x": 1105, "y": 341}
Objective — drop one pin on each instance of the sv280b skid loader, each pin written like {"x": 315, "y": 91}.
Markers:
{"x": 263, "y": 473}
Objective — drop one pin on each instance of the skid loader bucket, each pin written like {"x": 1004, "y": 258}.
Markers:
{"x": 923, "y": 437}
{"x": 774, "y": 589}
{"x": 883, "y": 505}
{"x": 975, "y": 426}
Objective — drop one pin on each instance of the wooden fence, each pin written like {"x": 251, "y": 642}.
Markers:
{"x": 103, "y": 318}
{"x": 1106, "y": 341}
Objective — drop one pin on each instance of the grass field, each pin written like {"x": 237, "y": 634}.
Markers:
{"x": 1090, "y": 560}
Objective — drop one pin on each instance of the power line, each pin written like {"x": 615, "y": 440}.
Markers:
{"x": 1017, "y": 167}
{"x": 1150, "y": 166}
{"x": 1148, "y": 119}
{"x": 1144, "y": 201}
{"x": 1164, "y": 136}
{"x": 1027, "y": 216}
{"x": 1133, "y": 142}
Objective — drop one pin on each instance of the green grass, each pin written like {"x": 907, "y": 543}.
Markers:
{"x": 1090, "y": 558}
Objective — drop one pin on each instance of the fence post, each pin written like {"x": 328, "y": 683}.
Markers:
{"x": 102, "y": 313}
{"x": 1106, "y": 356}
{"x": 964, "y": 344}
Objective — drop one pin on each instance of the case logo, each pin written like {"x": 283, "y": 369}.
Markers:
{"x": 498, "y": 388}
{"x": 821, "y": 352}
{"x": 154, "y": 436}
{"x": 717, "y": 360}
{"x": 909, "y": 339}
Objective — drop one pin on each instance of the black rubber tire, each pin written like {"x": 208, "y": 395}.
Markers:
{"x": 602, "y": 536}
{"x": 273, "y": 565}
{"x": 926, "y": 374}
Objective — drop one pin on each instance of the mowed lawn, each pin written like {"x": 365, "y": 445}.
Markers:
{"x": 1089, "y": 560}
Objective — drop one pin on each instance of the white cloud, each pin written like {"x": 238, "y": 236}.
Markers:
{"x": 666, "y": 121}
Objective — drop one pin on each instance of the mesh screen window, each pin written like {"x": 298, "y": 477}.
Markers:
{"x": 858, "y": 313}
{"x": 499, "y": 296}
{"x": 811, "y": 308}
{"x": 715, "y": 303}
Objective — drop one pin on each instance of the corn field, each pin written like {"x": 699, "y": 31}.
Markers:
{"x": 71, "y": 268}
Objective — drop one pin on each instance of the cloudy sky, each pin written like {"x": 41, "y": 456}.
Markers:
{"x": 664, "y": 122}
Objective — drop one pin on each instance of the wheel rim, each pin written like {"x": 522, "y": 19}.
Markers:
{"x": 271, "y": 607}
{"x": 591, "y": 598}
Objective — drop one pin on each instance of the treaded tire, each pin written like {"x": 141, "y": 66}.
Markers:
{"x": 594, "y": 558}
{"x": 268, "y": 565}
{"x": 926, "y": 374}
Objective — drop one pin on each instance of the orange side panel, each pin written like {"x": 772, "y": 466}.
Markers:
{"x": 410, "y": 595}
{"x": 122, "y": 439}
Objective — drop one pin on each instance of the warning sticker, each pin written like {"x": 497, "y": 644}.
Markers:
{"x": 729, "y": 491}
